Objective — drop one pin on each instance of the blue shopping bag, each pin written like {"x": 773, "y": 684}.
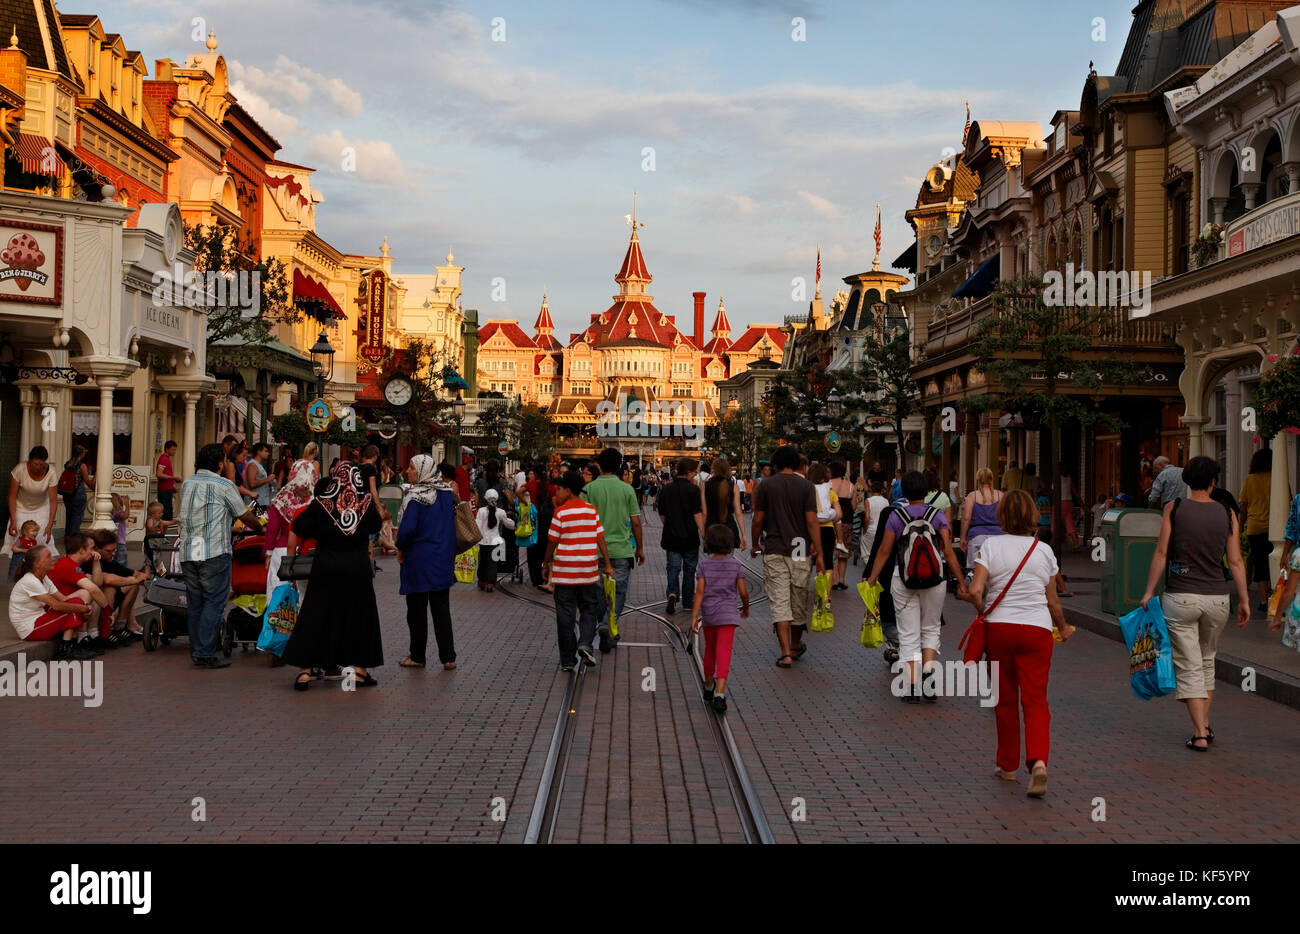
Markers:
{"x": 1151, "y": 657}
{"x": 281, "y": 616}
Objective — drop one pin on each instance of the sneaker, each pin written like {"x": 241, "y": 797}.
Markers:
{"x": 912, "y": 695}
{"x": 211, "y": 662}
{"x": 76, "y": 653}
{"x": 930, "y": 686}
{"x": 605, "y": 643}
{"x": 88, "y": 644}
{"x": 568, "y": 666}
{"x": 708, "y": 695}
{"x": 587, "y": 655}
{"x": 720, "y": 703}
{"x": 841, "y": 547}
{"x": 672, "y": 603}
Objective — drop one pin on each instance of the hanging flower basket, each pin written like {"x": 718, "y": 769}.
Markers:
{"x": 1205, "y": 248}
{"x": 1277, "y": 400}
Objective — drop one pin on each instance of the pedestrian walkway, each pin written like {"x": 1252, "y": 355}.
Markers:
{"x": 430, "y": 755}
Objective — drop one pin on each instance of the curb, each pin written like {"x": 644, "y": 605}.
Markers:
{"x": 1269, "y": 682}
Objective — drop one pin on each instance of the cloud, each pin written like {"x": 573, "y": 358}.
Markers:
{"x": 820, "y": 205}
{"x": 375, "y": 160}
{"x": 288, "y": 81}
{"x": 278, "y": 123}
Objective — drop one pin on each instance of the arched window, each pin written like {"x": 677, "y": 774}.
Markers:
{"x": 1273, "y": 177}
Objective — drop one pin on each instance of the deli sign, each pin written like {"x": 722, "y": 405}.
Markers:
{"x": 31, "y": 263}
{"x": 1276, "y": 220}
{"x": 373, "y": 348}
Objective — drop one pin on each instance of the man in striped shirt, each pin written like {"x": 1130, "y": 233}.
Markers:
{"x": 575, "y": 548}
{"x": 209, "y": 505}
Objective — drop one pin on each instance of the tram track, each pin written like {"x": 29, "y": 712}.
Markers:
{"x": 555, "y": 771}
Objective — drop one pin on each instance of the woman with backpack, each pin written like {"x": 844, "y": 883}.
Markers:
{"x": 924, "y": 540}
{"x": 75, "y": 480}
{"x": 722, "y": 501}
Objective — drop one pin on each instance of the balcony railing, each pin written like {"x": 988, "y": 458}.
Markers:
{"x": 960, "y": 326}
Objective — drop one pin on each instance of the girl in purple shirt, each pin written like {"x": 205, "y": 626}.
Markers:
{"x": 718, "y": 582}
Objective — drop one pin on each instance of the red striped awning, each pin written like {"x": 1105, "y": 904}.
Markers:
{"x": 38, "y": 155}
{"x": 309, "y": 292}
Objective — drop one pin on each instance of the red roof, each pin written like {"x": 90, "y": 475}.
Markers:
{"x": 754, "y": 333}
{"x": 717, "y": 346}
{"x": 537, "y": 363}
{"x": 633, "y": 263}
{"x": 704, "y": 366}
{"x": 511, "y": 330}
{"x": 544, "y": 317}
{"x": 650, "y": 324}
{"x": 720, "y": 323}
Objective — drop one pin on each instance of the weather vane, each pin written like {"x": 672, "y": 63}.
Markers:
{"x": 631, "y": 218}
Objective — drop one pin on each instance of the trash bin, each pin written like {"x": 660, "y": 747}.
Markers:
{"x": 1130, "y": 537}
{"x": 390, "y": 494}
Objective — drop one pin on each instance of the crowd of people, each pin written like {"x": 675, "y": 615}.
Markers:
{"x": 574, "y": 529}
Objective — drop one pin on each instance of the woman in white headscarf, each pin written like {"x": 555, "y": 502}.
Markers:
{"x": 426, "y": 553}
{"x": 292, "y": 499}
{"x": 491, "y": 520}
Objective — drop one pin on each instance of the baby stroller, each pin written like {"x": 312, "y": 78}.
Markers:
{"x": 243, "y": 622}
{"x": 167, "y": 593}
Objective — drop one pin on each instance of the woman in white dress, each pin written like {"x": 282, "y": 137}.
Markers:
{"x": 34, "y": 495}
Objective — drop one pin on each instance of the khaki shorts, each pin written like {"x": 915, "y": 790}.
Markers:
{"x": 786, "y": 583}
{"x": 1195, "y": 623}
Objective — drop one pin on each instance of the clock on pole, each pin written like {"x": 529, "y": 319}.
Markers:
{"x": 398, "y": 391}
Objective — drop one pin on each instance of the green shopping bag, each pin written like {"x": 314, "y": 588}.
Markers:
{"x": 873, "y": 633}
{"x": 608, "y": 583}
{"x": 823, "y": 619}
{"x": 467, "y": 565}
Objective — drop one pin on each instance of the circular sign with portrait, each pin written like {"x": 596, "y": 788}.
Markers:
{"x": 502, "y": 448}
{"x": 833, "y": 441}
{"x": 319, "y": 415}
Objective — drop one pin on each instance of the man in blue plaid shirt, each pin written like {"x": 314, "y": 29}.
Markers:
{"x": 209, "y": 506}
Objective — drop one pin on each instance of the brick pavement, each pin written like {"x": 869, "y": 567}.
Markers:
{"x": 422, "y": 756}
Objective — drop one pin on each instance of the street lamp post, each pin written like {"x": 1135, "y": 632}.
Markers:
{"x": 322, "y": 364}
{"x": 459, "y": 408}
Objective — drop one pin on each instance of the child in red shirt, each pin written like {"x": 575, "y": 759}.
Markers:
{"x": 26, "y": 539}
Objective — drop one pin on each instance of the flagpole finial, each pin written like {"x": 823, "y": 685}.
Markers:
{"x": 875, "y": 264}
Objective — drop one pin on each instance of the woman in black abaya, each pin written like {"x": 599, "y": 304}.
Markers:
{"x": 338, "y": 623}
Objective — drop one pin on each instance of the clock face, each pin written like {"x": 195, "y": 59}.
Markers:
{"x": 935, "y": 244}
{"x": 398, "y": 391}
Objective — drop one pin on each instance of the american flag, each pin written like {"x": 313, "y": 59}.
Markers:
{"x": 965, "y": 131}
{"x": 877, "y": 228}
{"x": 819, "y": 265}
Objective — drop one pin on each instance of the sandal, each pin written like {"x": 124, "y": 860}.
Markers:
{"x": 301, "y": 685}
{"x": 364, "y": 681}
{"x": 448, "y": 666}
{"x": 782, "y": 659}
{"x": 408, "y": 663}
{"x": 1191, "y": 744}
{"x": 1209, "y": 736}
{"x": 800, "y": 650}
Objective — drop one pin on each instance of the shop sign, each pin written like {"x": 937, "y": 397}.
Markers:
{"x": 373, "y": 349}
{"x": 31, "y": 263}
{"x": 132, "y": 483}
{"x": 319, "y": 416}
{"x": 1274, "y": 221}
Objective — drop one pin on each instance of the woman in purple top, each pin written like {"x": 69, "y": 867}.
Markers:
{"x": 718, "y": 582}
{"x": 979, "y": 516}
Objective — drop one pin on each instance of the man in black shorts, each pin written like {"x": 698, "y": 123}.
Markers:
{"x": 121, "y": 586}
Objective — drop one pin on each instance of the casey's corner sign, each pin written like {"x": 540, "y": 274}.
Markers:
{"x": 373, "y": 348}
{"x": 1276, "y": 220}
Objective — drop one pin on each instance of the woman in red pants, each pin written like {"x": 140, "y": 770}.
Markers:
{"x": 38, "y": 612}
{"x": 1022, "y": 570}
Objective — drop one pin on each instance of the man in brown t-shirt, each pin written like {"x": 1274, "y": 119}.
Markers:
{"x": 786, "y": 532}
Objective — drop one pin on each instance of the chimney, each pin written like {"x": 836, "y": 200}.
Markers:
{"x": 699, "y": 318}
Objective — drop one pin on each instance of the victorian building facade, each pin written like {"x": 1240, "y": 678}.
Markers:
{"x": 1236, "y": 302}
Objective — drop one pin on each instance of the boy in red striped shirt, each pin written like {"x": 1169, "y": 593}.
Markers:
{"x": 575, "y": 546}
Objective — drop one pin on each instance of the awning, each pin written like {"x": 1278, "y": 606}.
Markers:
{"x": 313, "y": 297}
{"x": 982, "y": 280}
{"x": 38, "y": 155}
{"x": 906, "y": 259}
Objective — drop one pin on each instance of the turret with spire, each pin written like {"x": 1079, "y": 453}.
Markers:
{"x": 544, "y": 328}
{"x": 633, "y": 276}
{"x": 721, "y": 328}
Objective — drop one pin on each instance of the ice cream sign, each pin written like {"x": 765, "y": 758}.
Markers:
{"x": 31, "y": 263}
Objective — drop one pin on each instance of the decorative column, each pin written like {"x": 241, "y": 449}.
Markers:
{"x": 927, "y": 442}
{"x": 188, "y": 450}
{"x": 103, "y": 515}
{"x": 1195, "y": 434}
{"x": 1217, "y": 207}
{"x": 1251, "y": 191}
{"x": 30, "y": 425}
{"x": 1279, "y": 504}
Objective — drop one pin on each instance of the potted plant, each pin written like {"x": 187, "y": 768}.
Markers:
{"x": 1277, "y": 400}
{"x": 1205, "y": 249}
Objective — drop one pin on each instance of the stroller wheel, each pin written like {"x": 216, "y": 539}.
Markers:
{"x": 227, "y": 639}
{"x": 150, "y": 634}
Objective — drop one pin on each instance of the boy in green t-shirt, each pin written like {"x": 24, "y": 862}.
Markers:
{"x": 620, "y": 514}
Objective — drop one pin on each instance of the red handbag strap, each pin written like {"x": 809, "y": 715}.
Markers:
{"x": 992, "y": 606}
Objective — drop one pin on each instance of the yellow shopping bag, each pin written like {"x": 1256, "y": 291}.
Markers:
{"x": 609, "y": 585}
{"x": 823, "y": 619}
{"x": 873, "y": 633}
{"x": 467, "y": 565}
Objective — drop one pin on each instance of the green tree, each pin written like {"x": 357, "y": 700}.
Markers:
{"x": 221, "y": 250}
{"x": 1045, "y": 360}
{"x": 882, "y": 386}
{"x": 429, "y": 411}
{"x": 537, "y": 436}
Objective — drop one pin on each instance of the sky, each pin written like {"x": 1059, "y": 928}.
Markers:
{"x": 515, "y": 133}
